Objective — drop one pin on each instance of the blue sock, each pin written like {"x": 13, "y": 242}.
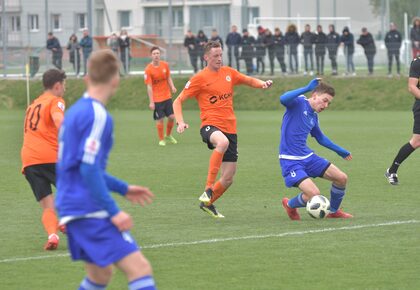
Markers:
{"x": 337, "y": 195}
{"x": 297, "y": 201}
{"x": 143, "y": 283}
{"x": 89, "y": 285}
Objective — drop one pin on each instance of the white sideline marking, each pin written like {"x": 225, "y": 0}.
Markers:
{"x": 220, "y": 240}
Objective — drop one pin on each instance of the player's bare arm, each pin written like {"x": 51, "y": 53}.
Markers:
{"x": 171, "y": 85}
{"x": 150, "y": 94}
{"x": 178, "y": 113}
{"x": 413, "y": 89}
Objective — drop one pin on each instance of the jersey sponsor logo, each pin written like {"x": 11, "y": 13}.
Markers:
{"x": 207, "y": 128}
{"x": 292, "y": 174}
{"x": 228, "y": 78}
{"x": 305, "y": 113}
{"x": 92, "y": 146}
{"x": 187, "y": 85}
{"x": 61, "y": 106}
{"x": 222, "y": 97}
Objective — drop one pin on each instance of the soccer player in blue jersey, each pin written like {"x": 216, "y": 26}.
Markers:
{"x": 298, "y": 162}
{"x": 98, "y": 231}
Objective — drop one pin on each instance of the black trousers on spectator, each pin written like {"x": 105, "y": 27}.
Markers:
{"x": 370, "y": 63}
{"x": 249, "y": 65}
{"x": 391, "y": 55}
{"x": 280, "y": 59}
{"x": 193, "y": 60}
{"x": 57, "y": 60}
{"x": 308, "y": 52}
{"x": 260, "y": 60}
{"x": 233, "y": 49}
{"x": 320, "y": 63}
{"x": 271, "y": 59}
{"x": 293, "y": 56}
{"x": 333, "y": 58}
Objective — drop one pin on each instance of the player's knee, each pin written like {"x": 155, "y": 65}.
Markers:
{"x": 415, "y": 142}
{"x": 341, "y": 179}
{"x": 312, "y": 192}
{"x": 101, "y": 277}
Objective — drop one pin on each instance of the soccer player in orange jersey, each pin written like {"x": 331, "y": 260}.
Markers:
{"x": 40, "y": 146}
{"x": 213, "y": 89}
{"x": 157, "y": 77}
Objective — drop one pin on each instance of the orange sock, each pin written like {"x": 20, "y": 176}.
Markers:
{"x": 50, "y": 221}
{"x": 218, "y": 191}
{"x": 169, "y": 126}
{"x": 159, "y": 127}
{"x": 216, "y": 159}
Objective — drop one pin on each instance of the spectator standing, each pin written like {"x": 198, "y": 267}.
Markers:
{"x": 292, "y": 41}
{"x": 333, "y": 41}
{"x": 279, "y": 46}
{"x": 308, "y": 39}
{"x": 393, "y": 40}
{"x": 201, "y": 40}
{"x": 415, "y": 37}
{"x": 368, "y": 44}
{"x": 54, "y": 45}
{"x": 269, "y": 44}
{"x": 74, "y": 53}
{"x": 233, "y": 41}
{"x": 247, "y": 44}
{"x": 113, "y": 43}
{"x": 124, "y": 42}
{"x": 86, "y": 43}
{"x": 320, "y": 49}
{"x": 190, "y": 42}
{"x": 215, "y": 37}
{"x": 260, "y": 50}
{"x": 347, "y": 40}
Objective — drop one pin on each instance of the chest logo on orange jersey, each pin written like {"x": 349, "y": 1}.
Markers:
{"x": 228, "y": 78}
{"x": 222, "y": 97}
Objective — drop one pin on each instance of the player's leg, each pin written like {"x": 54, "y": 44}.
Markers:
{"x": 159, "y": 127}
{"x": 338, "y": 190}
{"x": 97, "y": 278}
{"x": 138, "y": 271}
{"x": 158, "y": 116}
{"x": 169, "y": 113}
{"x": 40, "y": 178}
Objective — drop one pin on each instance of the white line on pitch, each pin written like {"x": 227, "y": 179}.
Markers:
{"x": 220, "y": 240}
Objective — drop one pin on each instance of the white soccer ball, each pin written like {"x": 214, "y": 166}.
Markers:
{"x": 318, "y": 207}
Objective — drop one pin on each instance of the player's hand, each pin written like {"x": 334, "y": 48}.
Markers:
{"x": 313, "y": 84}
{"x": 181, "y": 127}
{"x": 267, "y": 84}
{"x": 348, "y": 158}
{"x": 122, "y": 221}
{"x": 173, "y": 90}
{"x": 139, "y": 195}
{"x": 152, "y": 106}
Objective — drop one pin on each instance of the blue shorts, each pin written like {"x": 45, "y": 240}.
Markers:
{"x": 295, "y": 171}
{"x": 98, "y": 241}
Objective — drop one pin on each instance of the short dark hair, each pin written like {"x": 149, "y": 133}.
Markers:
{"x": 154, "y": 48}
{"x": 51, "y": 77}
{"x": 50, "y": 33}
{"x": 211, "y": 44}
{"x": 324, "y": 88}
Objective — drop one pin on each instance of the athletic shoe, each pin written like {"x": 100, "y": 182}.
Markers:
{"x": 211, "y": 210}
{"x": 206, "y": 196}
{"x": 171, "y": 139}
{"x": 52, "y": 242}
{"x": 291, "y": 212}
{"x": 339, "y": 214}
{"x": 391, "y": 177}
{"x": 162, "y": 143}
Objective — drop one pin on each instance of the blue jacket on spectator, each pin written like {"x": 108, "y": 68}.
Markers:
{"x": 86, "y": 44}
{"x": 54, "y": 43}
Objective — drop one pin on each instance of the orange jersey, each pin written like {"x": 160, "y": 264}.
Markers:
{"x": 214, "y": 94}
{"x": 40, "y": 135}
{"x": 157, "y": 77}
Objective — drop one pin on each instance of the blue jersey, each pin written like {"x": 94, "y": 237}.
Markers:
{"x": 85, "y": 138}
{"x": 298, "y": 121}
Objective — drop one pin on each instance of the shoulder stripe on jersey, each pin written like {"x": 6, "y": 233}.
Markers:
{"x": 93, "y": 142}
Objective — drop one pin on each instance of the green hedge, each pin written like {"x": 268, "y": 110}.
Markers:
{"x": 356, "y": 93}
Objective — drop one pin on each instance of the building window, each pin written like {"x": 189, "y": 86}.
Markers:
{"x": 15, "y": 21}
{"x": 177, "y": 18}
{"x": 81, "y": 21}
{"x": 56, "y": 22}
{"x": 253, "y": 12}
{"x": 124, "y": 17}
{"x": 33, "y": 22}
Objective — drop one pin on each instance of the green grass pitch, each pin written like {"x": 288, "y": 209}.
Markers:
{"x": 256, "y": 246}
